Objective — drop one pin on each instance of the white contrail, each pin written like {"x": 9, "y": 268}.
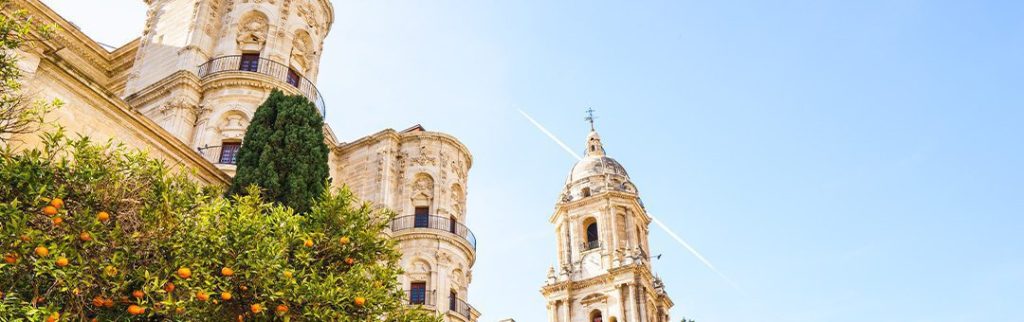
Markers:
{"x": 694, "y": 252}
{"x": 656, "y": 221}
{"x": 552, "y": 136}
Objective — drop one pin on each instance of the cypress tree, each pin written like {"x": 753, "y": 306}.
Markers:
{"x": 283, "y": 152}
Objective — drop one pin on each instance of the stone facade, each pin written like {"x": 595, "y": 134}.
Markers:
{"x": 422, "y": 176}
{"x": 604, "y": 270}
{"x": 188, "y": 86}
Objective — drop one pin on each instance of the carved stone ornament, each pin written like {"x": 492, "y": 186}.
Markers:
{"x": 424, "y": 159}
{"x": 302, "y": 52}
{"x": 233, "y": 126}
{"x": 252, "y": 33}
{"x": 423, "y": 185}
{"x": 177, "y": 104}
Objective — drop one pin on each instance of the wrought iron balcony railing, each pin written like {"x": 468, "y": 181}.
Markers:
{"x": 276, "y": 70}
{"x": 420, "y": 298}
{"x": 435, "y": 223}
{"x": 461, "y": 307}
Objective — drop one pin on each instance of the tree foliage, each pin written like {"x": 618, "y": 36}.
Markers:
{"x": 99, "y": 231}
{"x": 19, "y": 114}
{"x": 283, "y": 152}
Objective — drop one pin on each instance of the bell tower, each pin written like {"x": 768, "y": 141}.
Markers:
{"x": 603, "y": 271}
{"x": 203, "y": 66}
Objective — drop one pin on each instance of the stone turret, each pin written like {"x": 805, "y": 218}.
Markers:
{"x": 603, "y": 271}
{"x": 203, "y": 66}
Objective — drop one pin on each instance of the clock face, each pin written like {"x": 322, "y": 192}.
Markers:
{"x": 592, "y": 264}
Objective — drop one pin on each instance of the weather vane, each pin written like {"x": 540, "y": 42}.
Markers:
{"x": 590, "y": 117}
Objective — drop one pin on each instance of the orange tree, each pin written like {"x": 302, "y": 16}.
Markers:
{"x": 98, "y": 231}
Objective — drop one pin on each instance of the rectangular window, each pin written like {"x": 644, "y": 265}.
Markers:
{"x": 451, "y": 300}
{"x": 422, "y": 219}
{"x": 249, "y": 63}
{"x": 293, "y": 77}
{"x": 452, "y": 225}
{"x": 418, "y": 293}
{"x": 229, "y": 152}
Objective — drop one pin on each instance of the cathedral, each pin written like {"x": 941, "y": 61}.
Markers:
{"x": 186, "y": 89}
{"x": 604, "y": 270}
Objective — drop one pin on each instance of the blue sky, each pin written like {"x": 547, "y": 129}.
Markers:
{"x": 840, "y": 160}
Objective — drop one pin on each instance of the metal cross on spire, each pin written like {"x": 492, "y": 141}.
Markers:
{"x": 590, "y": 117}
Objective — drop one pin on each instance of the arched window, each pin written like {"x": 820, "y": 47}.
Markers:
{"x": 595, "y": 316}
{"x": 592, "y": 239}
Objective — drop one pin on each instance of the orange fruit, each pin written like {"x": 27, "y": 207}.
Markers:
{"x": 53, "y": 317}
{"x": 256, "y": 308}
{"x": 350, "y": 260}
{"x": 344, "y": 240}
{"x": 179, "y": 310}
{"x": 138, "y": 294}
{"x": 108, "y": 302}
{"x": 49, "y": 210}
{"x": 227, "y": 271}
{"x": 282, "y": 308}
{"x": 62, "y": 261}
{"x": 98, "y": 301}
{"x": 84, "y": 236}
{"x": 243, "y": 288}
{"x": 42, "y": 251}
{"x": 202, "y": 296}
{"x": 360, "y": 301}
{"x": 288, "y": 274}
{"x": 57, "y": 203}
{"x": 184, "y": 272}
{"x": 136, "y": 310}
{"x": 225, "y": 296}
{"x": 57, "y": 221}
{"x": 25, "y": 238}
{"x": 308, "y": 243}
{"x": 169, "y": 287}
{"x": 10, "y": 258}
{"x": 103, "y": 216}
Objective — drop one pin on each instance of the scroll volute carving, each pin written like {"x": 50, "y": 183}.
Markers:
{"x": 252, "y": 32}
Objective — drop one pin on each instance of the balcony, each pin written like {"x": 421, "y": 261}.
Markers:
{"x": 462, "y": 308}
{"x": 420, "y": 298}
{"x": 434, "y": 223}
{"x": 276, "y": 70}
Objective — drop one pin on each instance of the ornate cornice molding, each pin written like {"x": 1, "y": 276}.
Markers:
{"x": 69, "y": 37}
{"x": 601, "y": 199}
{"x": 391, "y": 134}
{"x": 158, "y": 89}
{"x": 413, "y": 234}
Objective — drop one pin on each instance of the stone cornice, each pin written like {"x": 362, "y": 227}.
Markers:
{"x": 157, "y": 90}
{"x": 391, "y": 134}
{"x": 616, "y": 197}
{"x": 243, "y": 78}
{"x": 69, "y": 37}
{"x": 420, "y": 234}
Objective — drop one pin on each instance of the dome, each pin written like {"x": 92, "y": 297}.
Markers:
{"x": 596, "y": 173}
{"x": 593, "y": 165}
